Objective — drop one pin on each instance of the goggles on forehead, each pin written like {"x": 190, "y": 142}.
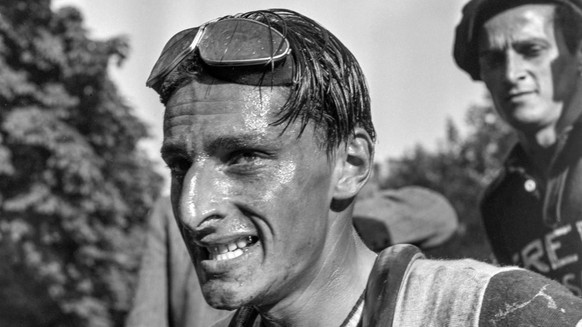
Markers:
{"x": 227, "y": 42}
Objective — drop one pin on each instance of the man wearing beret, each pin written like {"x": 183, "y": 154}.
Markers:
{"x": 529, "y": 55}
{"x": 269, "y": 139}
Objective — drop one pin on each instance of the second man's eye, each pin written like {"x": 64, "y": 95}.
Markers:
{"x": 531, "y": 51}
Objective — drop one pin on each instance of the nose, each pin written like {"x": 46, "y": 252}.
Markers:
{"x": 514, "y": 67}
{"x": 202, "y": 197}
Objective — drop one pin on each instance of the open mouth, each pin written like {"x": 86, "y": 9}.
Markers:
{"x": 230, "y": 250}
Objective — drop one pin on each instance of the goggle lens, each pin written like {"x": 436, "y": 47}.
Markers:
{"x": 241, "y": 42}
{"x": 225, "y": 42}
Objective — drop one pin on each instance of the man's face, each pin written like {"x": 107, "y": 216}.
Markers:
{"x": 253, "y": 201}
{"x": 527, "y": 67}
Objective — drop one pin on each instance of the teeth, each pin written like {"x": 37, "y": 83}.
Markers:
{"x": 229, "y": 251}
{"x": 241, "y": 243}
{"x": 228, "y": 255}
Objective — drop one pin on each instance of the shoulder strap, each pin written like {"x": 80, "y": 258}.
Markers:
{"x": 384, "y": 284}
{"x": 243, "y": 317}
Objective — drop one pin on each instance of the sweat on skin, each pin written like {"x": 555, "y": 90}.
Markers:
{"x": 238, "y": 178}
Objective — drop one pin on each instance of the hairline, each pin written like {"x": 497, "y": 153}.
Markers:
{"x": 318, "y": 128}
{"x": 332, "y": 132}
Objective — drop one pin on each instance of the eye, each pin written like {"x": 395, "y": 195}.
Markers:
{"x": 244, "y": 157}
{"x": 178, "y": 166}
{"x": 246, "y": 161}
{"x": 531, "y": 50}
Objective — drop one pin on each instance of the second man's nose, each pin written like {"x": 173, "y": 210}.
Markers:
{"x": 514, "y": 67}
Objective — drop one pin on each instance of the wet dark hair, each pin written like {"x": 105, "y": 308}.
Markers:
{"x": 328, "y": 86}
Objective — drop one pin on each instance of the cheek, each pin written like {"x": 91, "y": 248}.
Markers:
{"x": 565, "y": 78}
{"x": 492, "y": 82}
{"x": 308, "y": 196}
{"x": 297, "y": 192}
{"x": 303, "y": 223}
{"x": 290, "y": 180}
{"x": 281, "y": 181}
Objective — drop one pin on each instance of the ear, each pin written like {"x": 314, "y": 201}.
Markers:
{"x": 355, "y": 166}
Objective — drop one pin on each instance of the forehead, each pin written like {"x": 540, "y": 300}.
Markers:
{"x": 518, "y": 24}
{"x": 212, "y": 107}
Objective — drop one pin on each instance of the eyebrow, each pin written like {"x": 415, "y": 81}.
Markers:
{"x": 513, "y": 44}
{"x": 230, "y": 143}
{"x": 222, "y": 143}
{"x": 527, "y": 40}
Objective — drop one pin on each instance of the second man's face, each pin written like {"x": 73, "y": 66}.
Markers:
{"x": 527, "y": 67}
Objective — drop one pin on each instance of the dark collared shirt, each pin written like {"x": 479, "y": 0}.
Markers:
{"x": 534, "y": 219}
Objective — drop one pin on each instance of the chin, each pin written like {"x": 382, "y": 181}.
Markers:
{"x": 527, "y": 119}
{"x": 221, "y": 305}
{"x": 226, "y": 297}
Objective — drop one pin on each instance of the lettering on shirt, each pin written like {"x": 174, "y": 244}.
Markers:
{"x": 533, "y": 255}
{"x": 552, "y": 245}
{"x": 548, "y": 254}
{"x": 572, "y": 282}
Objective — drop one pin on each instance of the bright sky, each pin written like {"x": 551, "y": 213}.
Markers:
{"x": 404, "y": 47}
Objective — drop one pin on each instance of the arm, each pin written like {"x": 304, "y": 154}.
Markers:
{"x": 524, "y": 298}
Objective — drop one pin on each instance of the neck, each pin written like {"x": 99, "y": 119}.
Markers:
{"x": 540, "y": 147}
{"x": 332, "y": 293}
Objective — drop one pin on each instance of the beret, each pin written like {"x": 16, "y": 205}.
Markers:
{"x": 474, "y": 14}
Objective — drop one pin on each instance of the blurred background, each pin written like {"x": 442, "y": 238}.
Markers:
{"x": 80, "y": 135}
{"x": 404, "y": 48}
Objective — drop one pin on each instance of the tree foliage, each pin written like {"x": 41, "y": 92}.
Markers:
{"x": 460, "y": 169}
{"x": 74, "y": 186}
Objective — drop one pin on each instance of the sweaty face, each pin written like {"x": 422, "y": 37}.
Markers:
{"x": 252, "y": 201}
{"x": 527, "y": 67}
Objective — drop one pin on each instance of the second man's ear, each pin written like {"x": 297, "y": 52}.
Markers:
{"x": 356, "y": 165}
